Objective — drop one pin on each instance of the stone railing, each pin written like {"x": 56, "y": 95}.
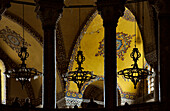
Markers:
{"x": 138, "y": 107}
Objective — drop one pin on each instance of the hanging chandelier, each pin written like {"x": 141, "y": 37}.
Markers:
{"x": 135, "y": 74}
{"x": 80, "y": 77}
{"x": 22, "y": 73}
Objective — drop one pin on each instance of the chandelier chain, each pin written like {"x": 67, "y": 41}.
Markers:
{"x": 79, "y": 31}
{"x": 23, "y": 24}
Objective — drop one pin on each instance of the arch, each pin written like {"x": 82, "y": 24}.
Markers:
{"x": 3, "y": 66}
{"x": 149, "y": 37}
{"x": 3, "y": 83}
{"x": 95, "y": 90}
{"x": 75, "y": 45}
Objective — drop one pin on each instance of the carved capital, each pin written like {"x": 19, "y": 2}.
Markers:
{"x": 4, "y": 4}
{"x": 49, "y": 12}
{"x": 110, "y": 11}
{"x": 156, "y": 4}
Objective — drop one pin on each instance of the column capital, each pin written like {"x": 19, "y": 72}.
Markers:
{"x": 110, "y": 10}
{"x": 156, "y": 4}
{"x": 161, "y": 7}
{"x": 49, "y": 12}
{"x": 4, "y": 4}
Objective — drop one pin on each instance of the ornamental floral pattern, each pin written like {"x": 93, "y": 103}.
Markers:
{"x": 14, "y": 40}
{"x": 122, "y": 44}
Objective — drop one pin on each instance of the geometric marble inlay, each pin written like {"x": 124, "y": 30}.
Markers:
{"x": 122, "y": 44}
{"x": 14, "y": 40}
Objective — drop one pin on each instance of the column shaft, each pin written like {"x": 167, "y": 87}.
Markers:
{"x": 110, "y": 67}
{"x": 164, "y": 56}
{"x": 156, "y": 87}
{"x": 49, "y": 67}
{"x": 0, "y": 88}
{"x": 49, "y": 12}
{"x": 110, "y": 12}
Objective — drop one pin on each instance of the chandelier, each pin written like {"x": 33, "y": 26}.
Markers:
{"x": 80, "y": 77}
{"x": 22, "y": 73}
{"x": 135, "y": 73}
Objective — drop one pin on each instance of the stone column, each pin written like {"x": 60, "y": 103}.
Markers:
{"x": 164, "y": 26}
{"x": 49, "y": 12}
{"x": 156, "y": 86}
{"x": 0, "y": 88}
{"x": 110, "y": 11}
{"x": 164, "y": 21}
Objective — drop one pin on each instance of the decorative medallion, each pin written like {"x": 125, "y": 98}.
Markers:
{"x": 14, "y": 40}
{"x": 122, "y": 44}
{"x": 27, "y": 27}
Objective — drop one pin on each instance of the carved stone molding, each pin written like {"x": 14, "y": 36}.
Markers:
{"x": 49, "y": 12}
{"x": 62, "y": 61}
{"x": 129, "y": 101}
{"x": 156, "y": 4}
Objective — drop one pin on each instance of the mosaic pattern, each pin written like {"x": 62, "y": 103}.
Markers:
{"x": 126, "y": 95}
{"x": 3, "y": 83}
{"x": 128, "y": 16}
{"x": 14, "y": 40}
{"x": 122, "y": 44}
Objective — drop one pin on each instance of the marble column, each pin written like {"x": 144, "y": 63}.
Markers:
{"x": 0, "y": 88}
{"x": 110, "y": 11}
{"x": 164, "y": 26}
{"x": 49, "y": 12}
{"x": 164, "y": 21}
{"x": 156, "y": 86}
